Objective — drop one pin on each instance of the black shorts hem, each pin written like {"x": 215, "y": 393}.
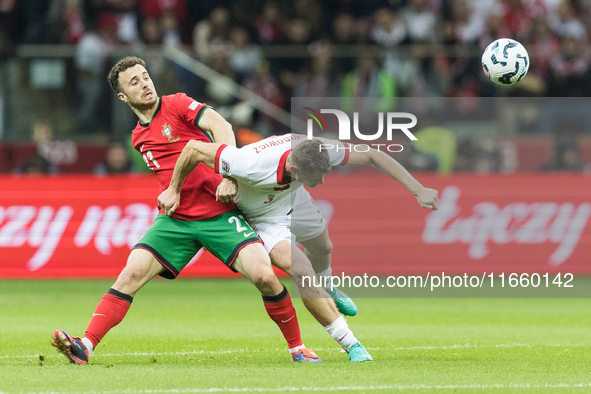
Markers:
{"x": 170, "y": 272}
{"x": 237, "y": 250}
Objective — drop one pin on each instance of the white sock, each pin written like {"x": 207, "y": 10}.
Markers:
{"x": 88, "y": 345}
{"x": 340, "y": 332}
{"x": 295, "y": 349}
{"x": 325, "y": 278}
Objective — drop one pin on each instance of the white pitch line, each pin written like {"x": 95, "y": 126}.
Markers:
{"x": 499, "y": 386}
{"x": 243, "y": 350}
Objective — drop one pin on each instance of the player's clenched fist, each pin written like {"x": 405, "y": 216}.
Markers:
{"x": 169, "y": 201}
{"x": 428, "y": 198}
{"x": 227, "y": 190}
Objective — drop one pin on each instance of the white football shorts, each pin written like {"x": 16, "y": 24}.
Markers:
{"x": 306, "y": 221}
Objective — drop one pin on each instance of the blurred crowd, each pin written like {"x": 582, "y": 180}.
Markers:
{"x": 428, "y": 47}
{"x": 302, "y": 48}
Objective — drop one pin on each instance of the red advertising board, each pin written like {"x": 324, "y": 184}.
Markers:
{"x": 79, "y": 226}
{"x": 509, "y": 223}
{"x": 84, "y": 226}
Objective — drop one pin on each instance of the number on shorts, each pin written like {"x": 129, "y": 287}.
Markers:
{"x": 239, "y": 228}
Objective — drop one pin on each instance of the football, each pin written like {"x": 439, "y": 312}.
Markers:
{"x": 505, "y": 61}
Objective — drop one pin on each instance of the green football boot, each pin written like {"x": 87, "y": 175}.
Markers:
{"x": 358, "y": 353}
{"x": 344, "y": 304}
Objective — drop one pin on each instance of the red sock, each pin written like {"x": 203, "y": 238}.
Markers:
{"x": 108, "y": 313}
{"x": 281, "y": 310}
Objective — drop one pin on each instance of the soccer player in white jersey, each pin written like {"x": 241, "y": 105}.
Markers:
{"x": 268, "y": 172}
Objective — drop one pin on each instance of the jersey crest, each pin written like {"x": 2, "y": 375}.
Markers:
{"x": 167, "y": 132}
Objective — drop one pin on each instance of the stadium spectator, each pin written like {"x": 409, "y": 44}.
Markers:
{"x": 170, "y": 28}
{"x": 484, "y": 156}
{"x": 265, "y": 85}
{"x": 317, "y": 79}
{"x": 36, "y": 165}
{"x": 364, "y": 9}
{"x": 92, "y": 54}
{"x": 212, "y": 34}
{"x": 128, "y": 21}
{"x": 150, "y": 32}
{"x": 73, "y": 20}
{"x": 420, "y": 21}
{"x": 39, "y": 163}
{"x": 494, "y": 28}
{"x": 8, "y": 22}
{"x": 270, "y": 24}
{"x": 220, "y": 89}
{"x": 244, "y": 56}
{"x": 310, "y": 11}
{"x": 543, "y": 46}
{"x": 566, "y": 155}
{"x": 369, "y": 80}
{"x": 517, "y": 18}
{"x": 151, "y": 48}
{"x": 35, "y": 20}
{"x": 466, "y": 26}
{"x": 204, "y": 220}
{"x": 344, "y": 32}
{"x": 565, "y": 22}
{"x": 299, "y": 34}
{"x": 456, "y": 69}
{"x": 169, "y": 10}
{"x": 467, "y": 155}
{"x": 200, "y": 10}
{"x": 569, "y": 70}
{"x": 117, "y": 160}
{"x": 388, "y": 29}
{"x": 6, "y": 47}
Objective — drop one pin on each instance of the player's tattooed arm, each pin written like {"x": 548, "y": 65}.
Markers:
{"x": 426, "y": 197}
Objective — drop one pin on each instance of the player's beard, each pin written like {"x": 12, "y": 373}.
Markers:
{"x": 142, "y": 106}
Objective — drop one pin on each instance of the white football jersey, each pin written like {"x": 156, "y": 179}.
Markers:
{"x": 264, "y": 195}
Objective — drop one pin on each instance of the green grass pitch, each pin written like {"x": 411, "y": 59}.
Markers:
{"x": 198, "y": 336}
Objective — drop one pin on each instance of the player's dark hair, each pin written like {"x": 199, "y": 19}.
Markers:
{"x": 308, "y": 157}
{"x": 121, "y": 66}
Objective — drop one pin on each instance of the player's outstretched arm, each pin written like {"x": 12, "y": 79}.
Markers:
{"x": 427, "y": 198}
{"x": 193, "y": 153}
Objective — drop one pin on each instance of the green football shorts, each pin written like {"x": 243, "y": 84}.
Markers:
{"x": 174, "y": 242}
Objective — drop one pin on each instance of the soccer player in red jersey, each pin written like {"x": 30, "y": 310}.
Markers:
{"x": 166, "y": 124}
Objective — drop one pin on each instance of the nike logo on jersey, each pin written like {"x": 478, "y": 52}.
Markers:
{"x": 246, "y": 235}
{"x": 285, "y": 321}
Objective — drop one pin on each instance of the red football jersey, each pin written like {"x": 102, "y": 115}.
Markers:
{"x": 161, "y": 142}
